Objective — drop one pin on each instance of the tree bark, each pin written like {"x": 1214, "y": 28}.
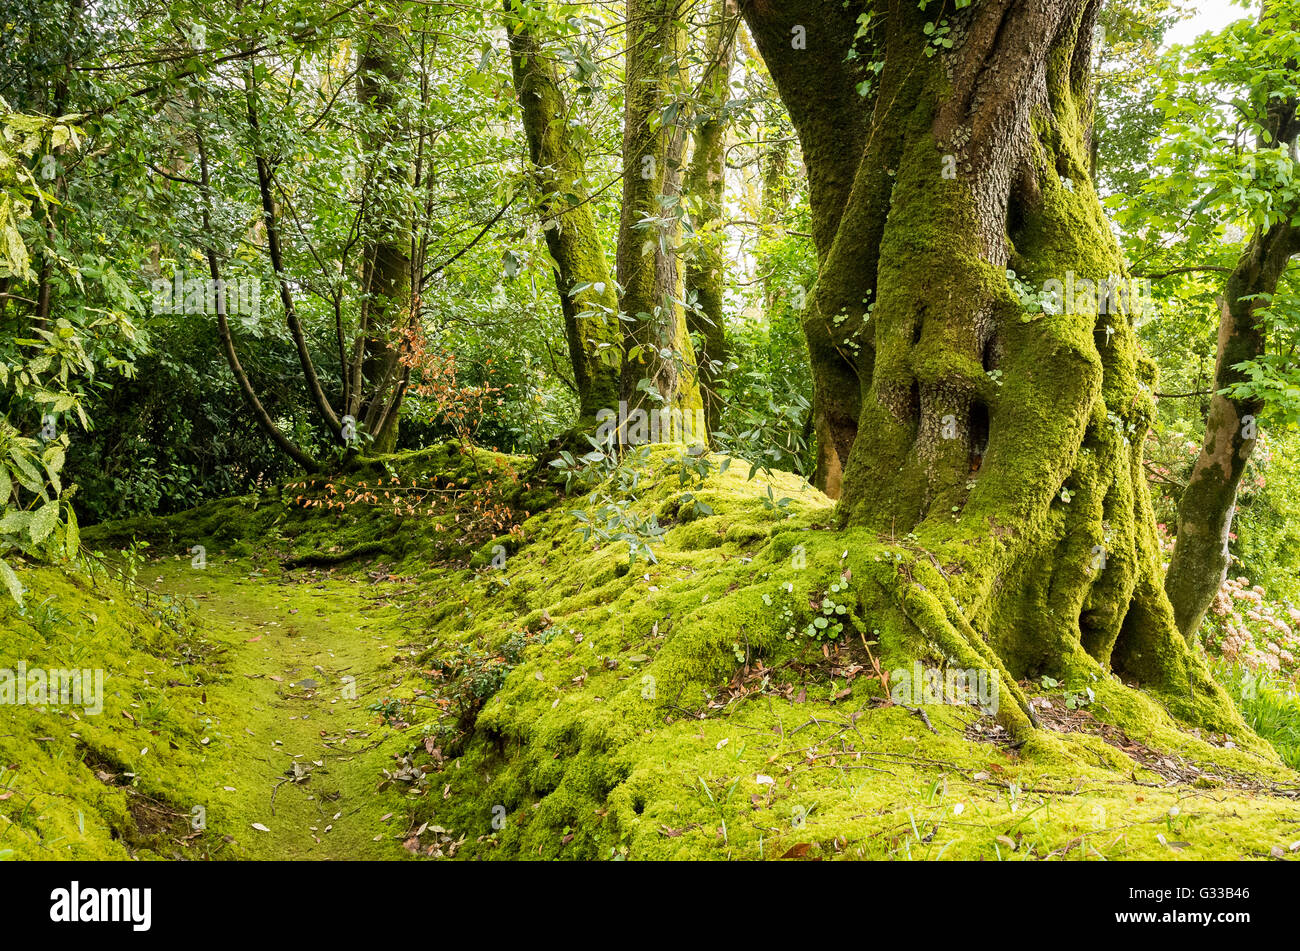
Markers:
{"x": 387, "y": 277}
{"x": 1028, "y": 538}
{"x": 706, "y": 184}
{"x": 659, "y": 366}
{"x": 1200, "y": 560}
{"x": 1205, "y": 511}
{"x": 591, "y": 325}
{"x": 774, "y": 168}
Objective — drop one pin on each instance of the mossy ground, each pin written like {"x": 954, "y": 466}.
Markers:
{"x": 224, "y": 691}
{"x": 571, "y": 705}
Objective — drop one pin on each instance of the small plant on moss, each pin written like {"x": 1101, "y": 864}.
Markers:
{"x": 1036, "y": 302}
{"x": 1077, "y": 700}
{"x": 45, "y": 617}
{"x": 133, "y": 559}
{"x": 1125, "y": 431}
{"x": 389, "y": 710}
{"x": 827, "y": 623}
{"x": 513, "y": 649}
{"x": 472, "y": 675}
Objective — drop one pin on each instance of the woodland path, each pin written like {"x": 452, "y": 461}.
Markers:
{"x": 296, "y": 731}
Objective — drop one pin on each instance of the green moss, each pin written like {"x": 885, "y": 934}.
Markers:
{"x": 601, "y": 710}
{"x": 618, "y": 736}
{"x": 203, "y": 710}
{"x": 81, "y": 784}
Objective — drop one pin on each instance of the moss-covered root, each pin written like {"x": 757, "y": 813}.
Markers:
{"x": 936, "y": 614}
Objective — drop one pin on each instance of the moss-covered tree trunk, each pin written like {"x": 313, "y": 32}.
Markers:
{"x": 659, "y": 365}
{"x": 999, "y": 445}
{"x": 775, "y": 171}
{"x": 706, "y": 185}
{"x": 591, "y": 324}
{"x": 1200, "y": 560}
{"x": 386, "y": 268}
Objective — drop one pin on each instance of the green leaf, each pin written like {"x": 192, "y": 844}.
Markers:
{"x": 11, "y": 582}
{"x": 72, "y": 542}
{"x": 14, "y": 521}
{"x": 43, "y": 522}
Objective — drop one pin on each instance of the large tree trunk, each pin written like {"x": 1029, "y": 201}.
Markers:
{"x": 706, "y": 184}
{"x": 591, "y": 313}
{"x": 659, "y": 366}
{"x": 1028, "y": 539}
{"x": 1200, "y": 560}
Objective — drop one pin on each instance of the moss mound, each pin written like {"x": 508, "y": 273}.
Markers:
{"x": 696, "y": 707}
{"x": 115, "y": 776}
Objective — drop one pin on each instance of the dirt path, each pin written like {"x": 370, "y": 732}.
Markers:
{"x": 303, "y": 660}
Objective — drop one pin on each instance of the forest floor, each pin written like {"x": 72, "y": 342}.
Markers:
{"x": 300, "y": 729}
{"x": 369, "y": 683}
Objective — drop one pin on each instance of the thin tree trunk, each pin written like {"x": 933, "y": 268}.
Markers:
{"x": 58, "y": 104}
{"x": 659, "y": 366}
{"x": 706, "y": 183}
{"x": 568, "y": 222}
{"x": 264, "y": 421}
{"x": 388, "y": 285}
{"x": 774, "y": 166}
{"x": 1200, "y": 560}
{"x": 314, "y": 388}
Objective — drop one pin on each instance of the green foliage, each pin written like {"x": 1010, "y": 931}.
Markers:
{"x": 1211, "y": 175}
{"x": 1271, "y": 708}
